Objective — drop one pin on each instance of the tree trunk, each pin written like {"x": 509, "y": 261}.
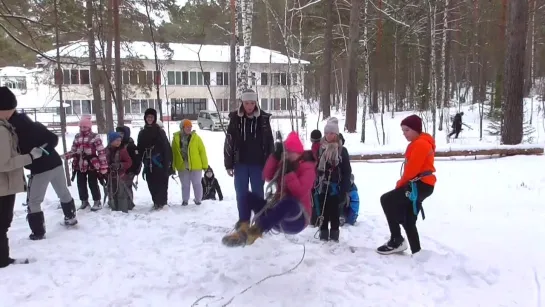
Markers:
{"x": 352, "y": 66}
{"x": 117, "y": 55}
{"x": 107, "y": 70}
{"x": 233, "y": 61}
{"x": 95, "y": 82}
{"x": 512, "y": 131}
{"x": 325, "y": 94}
{"x": 247, "y": 18}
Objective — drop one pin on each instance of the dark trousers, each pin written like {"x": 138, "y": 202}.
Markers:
{"x": 332, "y": 212}
{"x": 253, "y": 174}
{"x": 456, "y": 131}
{"x": 88, "y": 178}
{"x": 6, "y": 216}
{"x": 158, "y": 186}
{"x": 398, "y": 209}
{"x": 286, "y": 215}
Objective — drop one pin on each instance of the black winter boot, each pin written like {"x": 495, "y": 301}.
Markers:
{"x": 324, "y": 234}
{"x": 334, "y": 235}
{"x": 36, "y": 222}
{"x": 69, "y": 210}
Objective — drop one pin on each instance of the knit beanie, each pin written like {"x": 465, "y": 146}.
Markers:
{"x": 186, "y": 123}
{"x": 293, "y": 143}
{"x": 112, "y": 136}
{"x": 8, "y": 101}
{"x": 85, "y": 122}
{"x": 414, "y": 122}
{"x": 332, "y": 126}
{"x": 249, "y": 95}
{"x": 315, "y": 136}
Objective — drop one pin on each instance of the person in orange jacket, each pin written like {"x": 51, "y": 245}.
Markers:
{"x": 403, "y": 204}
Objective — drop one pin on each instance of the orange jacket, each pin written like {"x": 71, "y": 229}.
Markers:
{"x": 419, "y": 158}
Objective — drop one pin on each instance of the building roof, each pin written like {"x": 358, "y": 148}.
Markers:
{"x": 181, "y": 52}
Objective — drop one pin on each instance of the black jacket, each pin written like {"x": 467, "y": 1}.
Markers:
{"x": 33, "y": 134}
{"x": 210, "y": 186}
{"x": 128, "y": 142}
{"x": 248, "y": 138}
{"x": 154, "y": 138}
{"x": 340, "y": 174}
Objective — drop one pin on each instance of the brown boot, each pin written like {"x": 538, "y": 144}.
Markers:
{"x": 238, "y": 237}
{"x": 253, "y": 234}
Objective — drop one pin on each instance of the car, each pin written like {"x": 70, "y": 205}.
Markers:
{"x": 211, "y": 120}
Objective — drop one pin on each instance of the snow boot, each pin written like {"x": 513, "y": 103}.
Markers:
{"x": 69, "y": 210}
{"x": 84, "y": 205}
{"x": 97, "y": 205}
{"x": 239, "y": 237}
{"x": 36, "y": 222}
{"x": 185, "y": 203}
{"x": 394, "y": 245}
{"x": 253, "y": 233}
{"x": 334, "y": 235}
{"x": 324, "y": 234}
{"x": 198, "y": 203}
{"x": 157, "y": 207}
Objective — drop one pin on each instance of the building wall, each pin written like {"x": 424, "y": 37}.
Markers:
{"x": 179, "y": 92}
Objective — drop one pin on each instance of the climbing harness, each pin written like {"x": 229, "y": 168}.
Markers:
{"x": 412, "y": 195}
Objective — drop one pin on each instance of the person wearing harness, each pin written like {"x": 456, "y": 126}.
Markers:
{"x": 12, "y": 179}
{"x": 248, "y": 143}
{"x": 189, "y": 159}
{"x": 333, "y": 182}
{"x": 136, "y": 165}
{"x": 287, "y": 209}
{"x": 119, "y": 162}
{"x": 89, "y": 163}
{"x": 48, "y": 170}
{"x": 210, "y": 185}
{"x": 402, "y": 204}
{"x": 156, "y": 156}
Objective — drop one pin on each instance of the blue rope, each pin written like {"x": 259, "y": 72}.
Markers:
{"x": 413, "y": 196}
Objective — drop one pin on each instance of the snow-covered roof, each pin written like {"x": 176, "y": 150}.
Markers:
{"x": 181, "y": 52}
{"x": 13, "y": 71}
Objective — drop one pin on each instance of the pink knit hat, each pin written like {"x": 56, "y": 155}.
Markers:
{"x": 86, "y": 122}
{"x": 293, "y": 143}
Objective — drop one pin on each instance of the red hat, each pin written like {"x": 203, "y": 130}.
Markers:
{"x": 293, "y": 143}
{"x": 414, "y": 122}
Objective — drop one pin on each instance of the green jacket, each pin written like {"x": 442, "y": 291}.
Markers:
{"x": 196, "y": 153}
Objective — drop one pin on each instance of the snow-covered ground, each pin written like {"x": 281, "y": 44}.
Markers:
{"x": 481, "y": 239}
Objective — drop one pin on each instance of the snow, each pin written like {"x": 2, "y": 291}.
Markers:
{"x": 181, "y": 52}
{"x": 480, "y": 239}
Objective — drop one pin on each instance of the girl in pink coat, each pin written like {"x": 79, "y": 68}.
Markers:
{"x": 290, "y": 207}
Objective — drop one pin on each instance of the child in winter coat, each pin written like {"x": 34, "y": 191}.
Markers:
{"x": 89, "y": 163}
{"x": 210, "y": 185}
{"x": 315, "y": 138}
{"x": 289, "y": 208}
{"x": 118, "y": 185}
{"x": 403, "y": 204}
{"x": 136, "y": 166}
{"x": 352, "y": 206}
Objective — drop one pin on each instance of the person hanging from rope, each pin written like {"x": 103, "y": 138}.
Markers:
{"x": 119, "y": 162}
{"x": 403, "y": 204}
{"x": 288, "y": 208}
{"x": 333, "y": 182}
{"x": 210, "y": 185}
{"x": 136, "y": 165}
{"x": 89, "y": 163}
{"x": 156, "y": 156}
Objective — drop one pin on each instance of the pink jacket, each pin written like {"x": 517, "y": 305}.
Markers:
{"x": 297, "y": 184}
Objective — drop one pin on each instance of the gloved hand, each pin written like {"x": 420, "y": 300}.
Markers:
{"x": 230, "y": 172}
{"x": 347, "y": 200}
{"x": 278, "y": 150}
{"x": 115, "y": 166}
{"x": 36, "y": 153}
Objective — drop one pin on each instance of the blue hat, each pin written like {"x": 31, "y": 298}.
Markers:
{"x": 112, "y": 136}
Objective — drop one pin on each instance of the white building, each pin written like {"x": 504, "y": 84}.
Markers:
{"x": 182, "y": 77}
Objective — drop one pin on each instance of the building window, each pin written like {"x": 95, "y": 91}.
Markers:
{"x": 86, "y": 107}
{"x": 74, "y": 76}
{"x": 68, "y": 110}
{"x": 84, "y": 76}
{"x": 127, "y": 106}
{"x": 222, "y": 78}
{"x": 252, "y": 78}
{"x": 264, "y": 104}
{"x": 135, "y": 106}
{"x": 133, "y": 77}
{"x": 222, "y": 105}
{"x": 193, "y": 78}
{"x": 149, "y": 77}
{"x": 171, "y": 78}
{"x": 206, "y": 77}
{"x": 264, "y": 78}
{"x": 185, "y": 78}
{"x": 293, "y": 79}
{"x": 126, "y": 78}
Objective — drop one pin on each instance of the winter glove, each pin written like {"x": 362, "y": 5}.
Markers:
{"x": 36, "y": 153}
{"x": 278, "y": 150}
{"x": 345, "y": 201}
{"x": 115, "y": 166}
{"x": 230, "y": 172}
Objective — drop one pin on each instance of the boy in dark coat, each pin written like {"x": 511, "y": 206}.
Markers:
{"x": 119, "y": 162}
{"x": 136, "y": 166}
{"x": 210, "y": 185}
{"x": 156, "y": 156}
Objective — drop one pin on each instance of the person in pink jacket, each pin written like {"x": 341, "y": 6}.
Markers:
{"x": 288, "y": 209}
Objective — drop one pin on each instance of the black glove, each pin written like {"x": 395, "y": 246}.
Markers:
{"x": 278, "y": 150}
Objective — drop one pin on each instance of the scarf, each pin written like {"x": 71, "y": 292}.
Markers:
{"x": 184, "y": 148}
{"x": 330, "y": 154}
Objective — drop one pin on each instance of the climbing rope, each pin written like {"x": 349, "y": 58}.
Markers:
{"x": 320, "y": 220}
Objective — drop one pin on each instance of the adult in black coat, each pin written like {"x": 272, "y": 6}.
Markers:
{"x": 45, "y": 171}
{"x": 156, "y": 156}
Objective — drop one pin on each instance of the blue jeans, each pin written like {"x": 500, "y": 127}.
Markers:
{"x": 286, "y": 216}
{"x": 245, "y": 173}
